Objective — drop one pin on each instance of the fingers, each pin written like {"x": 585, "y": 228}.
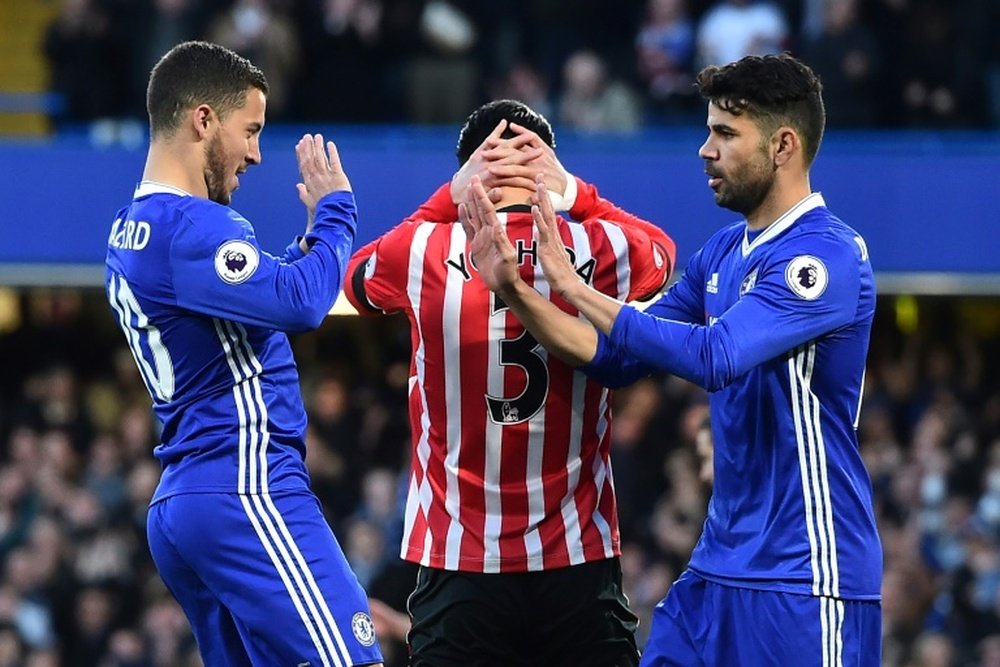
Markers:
{"x": 497, "y": 131}
{"x": 466, "y": 220}
{"x": 530, "y": 137}
{"x": 332, "y": 156}
{"x": 319, "y": 164}
{"x": 542, "y": 212}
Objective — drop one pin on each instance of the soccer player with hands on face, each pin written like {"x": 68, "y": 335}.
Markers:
{"x": 511, "y": 511}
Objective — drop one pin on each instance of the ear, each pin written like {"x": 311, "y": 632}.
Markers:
{"x": 202, "y": 119}
{"x": 786, "y": 145}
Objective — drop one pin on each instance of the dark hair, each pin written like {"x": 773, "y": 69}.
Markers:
{"x": 484, "y": 120}
{"x": 772, "y": 90}
{"x": 194, "y": 73}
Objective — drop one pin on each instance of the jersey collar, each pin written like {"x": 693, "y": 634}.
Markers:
{"x": 787, "y": 219}
{"x": 146, "y": 188}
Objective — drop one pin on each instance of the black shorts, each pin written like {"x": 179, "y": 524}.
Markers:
{"x": 574, "y": 617}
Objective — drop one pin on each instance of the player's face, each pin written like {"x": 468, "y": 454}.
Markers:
{"x": 234, "y": 147}
{"x": 737, "y": 160}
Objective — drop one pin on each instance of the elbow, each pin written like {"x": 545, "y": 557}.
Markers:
{"x": 307, "y": 317}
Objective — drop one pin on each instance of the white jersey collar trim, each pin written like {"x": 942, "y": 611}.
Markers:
{"x": 154, "y": 187}
{"x": 786, "y": 220}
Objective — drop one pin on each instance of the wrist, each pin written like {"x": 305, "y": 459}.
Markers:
{"x": 512, "y": 292}
{"x": 567, "y": 200}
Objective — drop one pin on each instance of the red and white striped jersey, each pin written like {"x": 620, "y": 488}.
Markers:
{"x": 511, "y": 467}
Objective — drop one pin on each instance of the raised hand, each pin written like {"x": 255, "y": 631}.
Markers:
{"x": 492, "y": 151}
{"x": 321, "y": 172}
{"x": 537, "y": 157}
{"x": 492, "y": 252}
{"x": 559, "y": 271}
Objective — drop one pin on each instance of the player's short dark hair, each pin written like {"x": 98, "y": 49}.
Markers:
{"x": 774, "y": 91}
{"x": 484, "y": 120}
{"x": 194, "y": 73}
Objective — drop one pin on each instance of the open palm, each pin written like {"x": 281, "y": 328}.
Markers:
{"x": 492, "y": 252}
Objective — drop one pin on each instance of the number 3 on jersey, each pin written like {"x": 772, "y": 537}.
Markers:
{"x": 144, "y": 340}
{"x": 523, "y": 351}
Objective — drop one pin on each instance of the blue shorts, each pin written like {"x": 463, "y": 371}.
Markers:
{"x": 262, "y": 580}
{"x": 701, "y": 623}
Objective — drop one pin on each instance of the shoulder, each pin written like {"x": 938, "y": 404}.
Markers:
{"x": 206, "y": 222}
{"x": 821, "y": 232}
{"x": 820, "y": 251}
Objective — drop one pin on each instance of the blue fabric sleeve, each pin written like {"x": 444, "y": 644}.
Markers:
{"x": 290, "y": 293}
{"x": 613, "y": 366}
{"x": 293, "y": 251}
{"x": 768, "y": 321}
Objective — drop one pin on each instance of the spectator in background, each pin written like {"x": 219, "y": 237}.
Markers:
{"x": 78, "y": 44}
{"x": 664, "y": 59}
{"x": 592, "y": 101}
{"x": 731, "y": 29}
{"x": 845, "y": 56}
{"x": 937, "y": 82}
{"x": 525, "y": 83}
{"x": 260, "y": 31}
{"x": 343, "y": 76}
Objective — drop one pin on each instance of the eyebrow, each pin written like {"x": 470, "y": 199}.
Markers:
{"x": 719, "y": 127}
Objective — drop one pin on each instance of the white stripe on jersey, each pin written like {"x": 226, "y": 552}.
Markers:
{"x": 451, "y": 322}
{"x": 574, "y": 463}
{"x": 259, "y": 507}
{"x": 618, "y": 241}
{"x": 812, "y": 467}
{"x": 826, "y": 519}
{"x": 496, "y": 331}
{"x": 861, "y": 398}
{"x": 420, "y": 492}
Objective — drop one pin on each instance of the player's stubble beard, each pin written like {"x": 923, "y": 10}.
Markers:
{"x": 215, "y": 171}
{"x": 749, "y": 184}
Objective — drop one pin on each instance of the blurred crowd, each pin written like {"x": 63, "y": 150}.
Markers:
{"x": 589, "y": 65}
{"x": 78, "y": 589}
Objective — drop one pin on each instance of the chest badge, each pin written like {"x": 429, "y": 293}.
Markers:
{"x": 748, "y": 283}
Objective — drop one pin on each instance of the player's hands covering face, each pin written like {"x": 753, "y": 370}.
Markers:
{"x": 513, "y": 162}
{"x": 492, "y": 252}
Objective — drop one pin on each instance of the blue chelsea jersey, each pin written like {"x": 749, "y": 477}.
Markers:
{"x": 205, "y": 311}
{"x": 776, "y": 329}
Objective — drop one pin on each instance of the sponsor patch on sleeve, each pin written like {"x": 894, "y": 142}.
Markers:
{"x": 807, "y": 277}
{"x": 236, "y": 261}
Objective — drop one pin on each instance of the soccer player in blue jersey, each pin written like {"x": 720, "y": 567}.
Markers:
{"x": 236, "y": 533}
{"x": 772, "y": 317}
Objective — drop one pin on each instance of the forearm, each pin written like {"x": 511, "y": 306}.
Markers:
{"x": 572, "y": 340}
{"x": 600, "y": 309}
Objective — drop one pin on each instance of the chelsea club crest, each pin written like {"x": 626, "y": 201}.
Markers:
{"x": 748, "y": 283}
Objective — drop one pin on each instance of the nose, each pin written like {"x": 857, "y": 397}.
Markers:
{"x": 707, "y": 151}
{"x": 254, "y": 155}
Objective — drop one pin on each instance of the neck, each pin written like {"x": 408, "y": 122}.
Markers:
{"x": 512, "y": 196}
{"x": 778, "y": 202}
{"x": 179, "y": 166}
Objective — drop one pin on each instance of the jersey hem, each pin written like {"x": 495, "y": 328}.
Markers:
{"x": 504, "y": 566}
{"x": 157, "y": 497}
{"x": 776, "y": 586}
